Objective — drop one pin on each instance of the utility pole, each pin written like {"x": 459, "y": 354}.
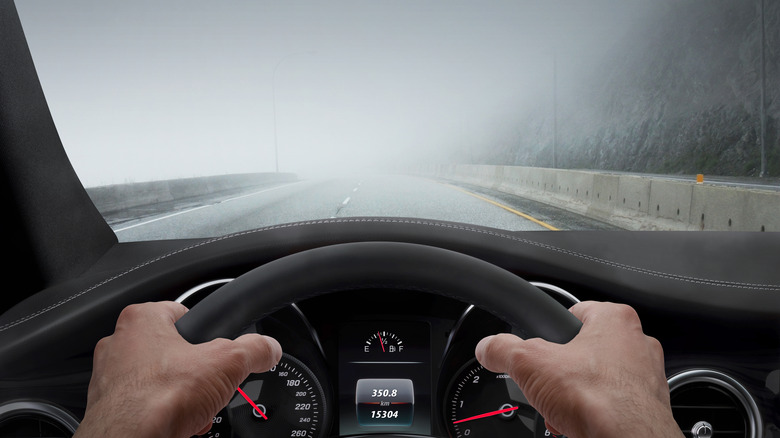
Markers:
{"x": 762, "y": 174}
{"x": 555, "y": 109}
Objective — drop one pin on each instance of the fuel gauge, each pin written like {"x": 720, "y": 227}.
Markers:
{"x": 383, "y": 341}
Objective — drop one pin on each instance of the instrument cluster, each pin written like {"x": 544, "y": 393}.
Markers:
{"x": 380, "y": 362}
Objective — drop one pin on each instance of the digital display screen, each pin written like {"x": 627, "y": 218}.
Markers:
{"x": 385, "y": 378}
{"x": 385, "y": 402}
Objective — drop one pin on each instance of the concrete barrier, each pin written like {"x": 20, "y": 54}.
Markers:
{"x": 633, "y": 202}
{"x": 118, "y": 197}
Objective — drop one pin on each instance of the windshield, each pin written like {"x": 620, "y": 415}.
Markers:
{"x": 198, "y": 119}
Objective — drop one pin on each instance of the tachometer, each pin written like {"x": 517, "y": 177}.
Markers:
{"x": 286, "y": 401}
{"x": 480, "y": 403}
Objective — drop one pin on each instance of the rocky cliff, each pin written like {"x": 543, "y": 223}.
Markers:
{"x": 681, "y": 94}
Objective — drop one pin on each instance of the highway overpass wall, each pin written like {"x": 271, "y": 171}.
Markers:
{"x": 118, "y": 197}
{"x": 634, "y": 202}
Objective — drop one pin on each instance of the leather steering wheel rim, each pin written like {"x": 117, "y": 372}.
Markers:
{"x": 227, "y": 312}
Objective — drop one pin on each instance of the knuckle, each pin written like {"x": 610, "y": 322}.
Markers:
{"x": 223, "y": 348}
{"x": 228, "y": 358}
{"x": 524, "y": 359}
{"x": 656, "y": 349}
{"x": 135, "y": 313}
{"x": 130, "y": 312}
{"x": 533, "y": 346}
{"x": 624, "y": 313}
{"x": 102, "y": 345}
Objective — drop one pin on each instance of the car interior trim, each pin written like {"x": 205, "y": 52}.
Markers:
{"x": 191, "y": 292}
{"x": 728, "y": 383}
{"x": 309, "y": 328}
{"x": 490, "y": 232}
{"x": 456, "y": 328}
{"x": 551, "y": 288}
{"x": 38, "y": 408}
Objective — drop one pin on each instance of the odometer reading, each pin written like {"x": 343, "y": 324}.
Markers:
{"x": 384, "y": 414}
{"x": 384, "y": 402}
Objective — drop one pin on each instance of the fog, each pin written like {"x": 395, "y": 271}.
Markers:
{"x": 147, "y": 90}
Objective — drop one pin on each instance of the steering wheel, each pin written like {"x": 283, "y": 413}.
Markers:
{"x": 377, "y": 265}
{"x": 373, "y": 265}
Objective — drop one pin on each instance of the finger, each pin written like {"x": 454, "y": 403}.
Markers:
{"x": 551, "y": 429}
{"x": 262, "y": 352}
{"x": 495, "y": 352}
{"x": 519, "y": 358}
{"x": 162, "y": 313}
{"x": 172, "y": 309}
{"x": 606, "y": 316}
{"x": 583, "y": 309}
{"x": 205, "y": 429}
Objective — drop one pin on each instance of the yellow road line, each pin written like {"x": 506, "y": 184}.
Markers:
{"x": 509, "y": 209}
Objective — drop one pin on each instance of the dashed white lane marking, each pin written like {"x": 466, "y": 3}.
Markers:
{"x": 202, "y": 206}
{"x": 160, "y": 218}
{"x": 346, "y": 201}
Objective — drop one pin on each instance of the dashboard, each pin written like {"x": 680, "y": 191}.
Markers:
{"x": 379, "y": 361}
{"x": 399, "y": 361}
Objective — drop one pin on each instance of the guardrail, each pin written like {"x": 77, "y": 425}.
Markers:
{"x": 633, "y": 202}
{"x": 118, "y": 197}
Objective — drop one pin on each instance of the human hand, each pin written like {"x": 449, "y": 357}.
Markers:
{"x": 147, "y": 381}
{"x": 608, "y": 381}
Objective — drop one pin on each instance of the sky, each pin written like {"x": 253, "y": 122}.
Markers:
{"x": 149, "y": 90}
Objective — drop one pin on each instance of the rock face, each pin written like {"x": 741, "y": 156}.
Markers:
{"x": 680, "y": 95}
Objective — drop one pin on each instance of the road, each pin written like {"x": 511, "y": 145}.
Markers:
{"x": 365, "y": 195}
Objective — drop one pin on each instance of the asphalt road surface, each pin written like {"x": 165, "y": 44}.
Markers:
{"x": 365, "y": 195}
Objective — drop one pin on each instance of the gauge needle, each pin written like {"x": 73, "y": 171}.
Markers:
{"x": 487, "y": 414}
{"x": 243, "y": 394}
{"x": 380, "y": 342}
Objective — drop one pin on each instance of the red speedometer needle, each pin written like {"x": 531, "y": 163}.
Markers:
{"x": 243, "y": 394}
{"x": 380, "y": 342}
{"x": 487, "y": 414}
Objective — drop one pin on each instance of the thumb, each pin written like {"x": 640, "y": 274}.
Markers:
{"x": 495, "y": 352}
{"x": 506, "y": 353}
{"x": 263, "y": 351}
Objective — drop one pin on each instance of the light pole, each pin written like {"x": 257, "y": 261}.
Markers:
{"x": 762, "y": 173}
{"x": 273, "y": 97}
{"x": 555, "y": 109}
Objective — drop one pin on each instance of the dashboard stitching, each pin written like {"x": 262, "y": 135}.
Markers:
{"x": 695, "y": 280}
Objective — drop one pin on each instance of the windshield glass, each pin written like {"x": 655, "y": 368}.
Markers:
{"x": 197, "y": 118}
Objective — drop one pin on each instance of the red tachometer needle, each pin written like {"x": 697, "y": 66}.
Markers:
{"x": 487, "y": 414}
{"x": 380, "y": 342}
{"x": 243, "y": 394}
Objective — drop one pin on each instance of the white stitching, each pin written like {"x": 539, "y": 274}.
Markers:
{"x": 695, "y": 280}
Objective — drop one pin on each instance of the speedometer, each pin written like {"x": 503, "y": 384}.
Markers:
{"x": 287, "y": 401}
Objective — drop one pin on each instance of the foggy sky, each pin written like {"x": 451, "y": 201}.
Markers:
{"x": 148, "y": 90}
